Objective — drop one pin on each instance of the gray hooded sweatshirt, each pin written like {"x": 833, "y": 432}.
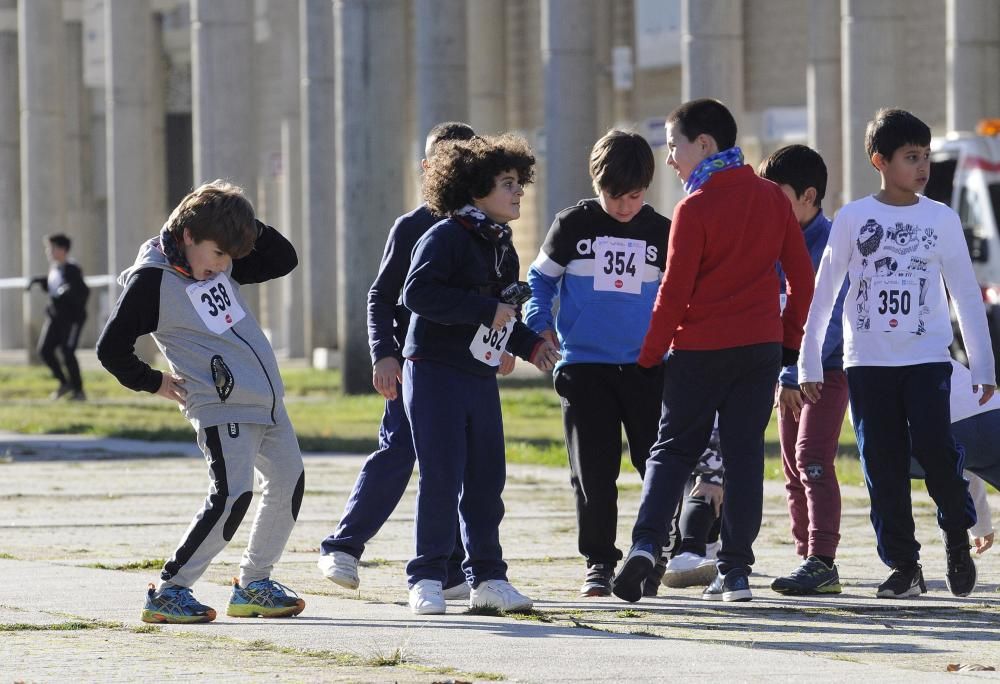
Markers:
{"x": 204, "y": 330}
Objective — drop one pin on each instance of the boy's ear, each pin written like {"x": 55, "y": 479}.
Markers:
{"x": 708, "y": 144}
{"x": 809, "y": 196}
{"x": 188, "y": 240}
{"x": 879, "y": 161}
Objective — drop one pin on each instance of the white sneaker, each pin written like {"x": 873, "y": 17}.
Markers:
{"x": 426, "y": 598}
{"x": 340, "y": 568}
{"x": 499, "y": 594}
{"x": 688, "y": 570}
{"x": 459, "y": 592}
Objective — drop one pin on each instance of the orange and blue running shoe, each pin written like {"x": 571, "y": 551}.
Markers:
{"x": 174, "y": 605}
{"x": 264, "y": 598}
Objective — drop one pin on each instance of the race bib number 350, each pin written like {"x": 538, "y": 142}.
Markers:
{"x": 488, "y": 344}
{"x": 216, "y": 304}
{"x": 619, "y": 264}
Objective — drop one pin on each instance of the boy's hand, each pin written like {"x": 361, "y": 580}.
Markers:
{"x": 549, "y": 335}
{"x": 545, "y": 357}
{"x": 386, "y": 373}
{"x": 983, "y": 543}
{"x": 811, "y": 390}
{"x": 788, "y": 400}
{"x": 507, "y": 362}
{"x": 710, "y": 492}
{"x": 171, "y": 388}
{"x": 988, "y": 391}
{"x": 505, "y": 314}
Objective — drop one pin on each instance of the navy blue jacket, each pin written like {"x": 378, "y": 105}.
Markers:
{"x": 453, "y": 287}
{"x": 388, "y": 319}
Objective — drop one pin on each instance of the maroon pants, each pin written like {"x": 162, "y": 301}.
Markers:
{"x": 808, "y": 450}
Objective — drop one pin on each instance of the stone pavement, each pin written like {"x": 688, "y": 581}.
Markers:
{"x": 85, "y": 524}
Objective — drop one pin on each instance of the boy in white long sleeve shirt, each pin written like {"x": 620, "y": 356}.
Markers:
{"x": 899, "y": 250}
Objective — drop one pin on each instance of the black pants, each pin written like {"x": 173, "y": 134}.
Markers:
{"x": 597, "y": 400}
{"x": 61, "y": 334}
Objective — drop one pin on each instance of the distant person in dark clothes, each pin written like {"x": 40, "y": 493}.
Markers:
{"x": 65, "y": 316}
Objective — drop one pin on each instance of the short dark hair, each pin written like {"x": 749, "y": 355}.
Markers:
{"x": 706, "y": 116}
{"x": 449, "y": 130}
{"x": 217, "y": 211}
{"x": 892, "y": 129}
{"x": 621, "y": 162}
{"x": 797, "y": 166}
{"x": 59, "y": 240}
{"x": 463, "y": 170}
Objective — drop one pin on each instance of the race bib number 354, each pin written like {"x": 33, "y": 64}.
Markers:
{"x": 216, "y": 304}
{"x": 619, "y": 264}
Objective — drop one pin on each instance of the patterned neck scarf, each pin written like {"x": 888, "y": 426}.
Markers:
{"x": 174, "y": 252}
{"x": 478, "y": 222}
{"x": 727, "y": 159}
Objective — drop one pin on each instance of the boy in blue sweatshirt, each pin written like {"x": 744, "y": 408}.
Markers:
{"x": 603, "y": 260}
{"x": 810, "y": 432}
{"x": 464, "y": 318}
{"x": 386, "y": 472}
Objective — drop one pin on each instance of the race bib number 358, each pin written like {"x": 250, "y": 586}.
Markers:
{"x": 216, "y": 304}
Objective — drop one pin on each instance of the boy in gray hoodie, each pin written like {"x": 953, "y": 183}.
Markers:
{"x": 184, "y": 289}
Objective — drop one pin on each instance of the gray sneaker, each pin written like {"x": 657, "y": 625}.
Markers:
{"x": 340, "y": 568}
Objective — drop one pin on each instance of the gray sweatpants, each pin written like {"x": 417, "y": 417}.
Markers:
{"x": 235, "y": 452}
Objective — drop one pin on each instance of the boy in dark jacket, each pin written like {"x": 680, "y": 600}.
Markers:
{"x": 464, "y": 318}
{"x": 184, "y": 288}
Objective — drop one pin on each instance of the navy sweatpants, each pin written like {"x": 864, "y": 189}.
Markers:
{"x": 378, "y": 489}
{"x": 899, "y": 410}
{"x": 458, "y": 438}
{"x": 738, "y": 383}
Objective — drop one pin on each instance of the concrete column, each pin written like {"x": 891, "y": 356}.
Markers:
{"x": 369, "y": 140}
{"x": 712, "y": 52}
{"x": 973, "y": 53}
{"x": 128, "y": 38}
{"x": 43, "y": 207}
{"x": 157, "y": 125}
{"x": 570, "y": 109}
{"x": 318, "y": 247}
{"x": 487, "y": 95}
{"x": 222, "y": 70}
{"x": 823, "y": 95}
{"x": 870, "y": 37}
{"x": 441, "y": 85}
{"x": 11, "y": 323}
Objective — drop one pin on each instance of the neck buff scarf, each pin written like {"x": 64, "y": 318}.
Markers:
{"x": 479, "y": 223}
{"x": 174, "y": 252}
{"x": 727, "y": 159}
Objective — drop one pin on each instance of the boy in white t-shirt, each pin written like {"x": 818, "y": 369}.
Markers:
{"x": 899, "y": 250}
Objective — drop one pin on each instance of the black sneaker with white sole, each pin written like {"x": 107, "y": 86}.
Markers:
{"x": 598, "y": 580}
{"x": 733, "y": 586}
{"x": 641, "y": 560}
{"x": 961, "y": 577}
{"x": 904, "y": 581}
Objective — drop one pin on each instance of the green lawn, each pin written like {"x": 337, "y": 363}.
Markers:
{"x": 324, "y": 419}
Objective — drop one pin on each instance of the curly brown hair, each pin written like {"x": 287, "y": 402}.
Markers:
{"x": 217, "y": 211}
{"x": 463, "y": 170}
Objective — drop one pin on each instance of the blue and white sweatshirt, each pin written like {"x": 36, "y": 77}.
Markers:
{"x": 597, "y": 325}
{"x": 816, "y": 234}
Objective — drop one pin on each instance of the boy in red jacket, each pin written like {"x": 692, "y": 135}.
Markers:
{"x": 717, "y": 312}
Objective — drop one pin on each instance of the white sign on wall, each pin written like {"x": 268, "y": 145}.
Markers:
{"x": 657, "y": 33}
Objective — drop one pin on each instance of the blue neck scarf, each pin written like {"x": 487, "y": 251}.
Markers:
{"x": 481, "y": 224}
{"x": 727, "y": 159}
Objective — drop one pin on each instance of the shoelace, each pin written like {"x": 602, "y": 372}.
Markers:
{"x": 270, "y": 588}
{"x": 180, "y": 596}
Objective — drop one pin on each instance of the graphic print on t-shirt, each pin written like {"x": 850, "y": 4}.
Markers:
{"x": 892, "y": 289}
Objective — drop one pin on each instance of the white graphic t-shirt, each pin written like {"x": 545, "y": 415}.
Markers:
{"x": 899, "y": 260}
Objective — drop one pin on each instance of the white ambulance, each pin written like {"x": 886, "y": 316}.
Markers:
{"x": 965, "y": 174}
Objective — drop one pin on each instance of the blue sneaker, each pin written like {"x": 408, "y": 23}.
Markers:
{"x": 812, "y": 577}
{"x": 641, "y": 559}
{"x": 264, "y": 598}
{"x": 174, "y": 605}
{"x": 733, "y": 586}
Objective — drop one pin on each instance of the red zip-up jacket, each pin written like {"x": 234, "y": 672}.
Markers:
{"x": 720, "y": 288}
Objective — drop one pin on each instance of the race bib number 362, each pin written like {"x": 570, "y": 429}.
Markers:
{"x": 488, "y": 344}
{"x": 619, "y": 264}
{"x": 216, "y": 303}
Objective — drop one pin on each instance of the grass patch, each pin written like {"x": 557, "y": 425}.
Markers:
{"x": 146, "y": 564}
{"x": 324, "y": 419}
{"x": 393, "y": 658}
{"x": 375, "y": 563}
{"x": 68, "y": 626}
{"x": 531, "y": 615}
{"x": 630, "y": 613}
{"x": 146, "y": 629}
{"x": 484, "y": 611}
{"x": 7, "y": 556}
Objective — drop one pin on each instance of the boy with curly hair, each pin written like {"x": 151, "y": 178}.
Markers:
{"x": 184, "y": 289}
{"x": 460, "y": 327}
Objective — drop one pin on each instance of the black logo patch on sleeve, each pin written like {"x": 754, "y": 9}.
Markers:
{"x": 222, "y": 377}
{"x": 234, "y": 430}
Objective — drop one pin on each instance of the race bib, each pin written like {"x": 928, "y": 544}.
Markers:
{"x": 895, "y": 305}
{"x": 215, "y": 302}
{"x": 488, "y": 345}
{"x": 619, "y": 264}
